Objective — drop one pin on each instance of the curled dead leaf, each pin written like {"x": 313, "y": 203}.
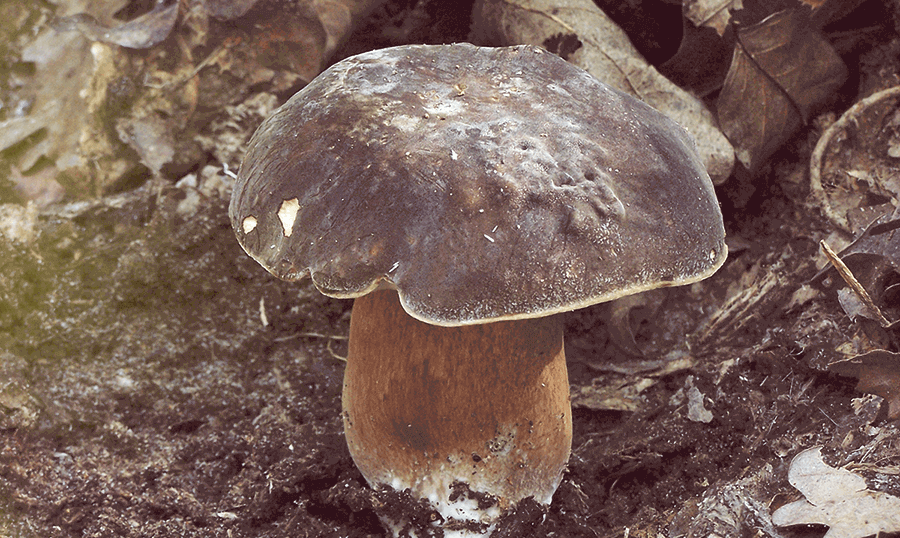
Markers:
{"x": 782, "y": 70}
{"x": 843, "y": 182}
{"x": 702, "y": 60}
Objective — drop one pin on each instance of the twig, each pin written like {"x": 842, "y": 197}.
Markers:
{"x": 333, "y": 354}
{"x": 854, "y": 284}
{"x": 310, "y": 335}
{"x": 330, "y": 337}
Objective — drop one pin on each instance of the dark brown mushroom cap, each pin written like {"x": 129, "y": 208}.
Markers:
{"x": 482, "y": 183}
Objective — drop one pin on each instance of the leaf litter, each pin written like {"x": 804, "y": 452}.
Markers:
{"x": 837, "y": 498}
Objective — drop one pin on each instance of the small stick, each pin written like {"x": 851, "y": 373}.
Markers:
{"x": 311, "y": 335}
{"x": 854, "y": 284}
{"x": 333, "y": 354}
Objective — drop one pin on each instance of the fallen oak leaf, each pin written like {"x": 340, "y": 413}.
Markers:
{"x": 709, "y": 28}
{"x": 781, "y": 72}
{"x": 755, "y": 136}
{"x": 800, "y": 60}
{"x": 878, "y": 373}
{"x": 837, "y": 498}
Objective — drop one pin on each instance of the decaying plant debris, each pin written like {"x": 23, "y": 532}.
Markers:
{"x": 154, "y": 381}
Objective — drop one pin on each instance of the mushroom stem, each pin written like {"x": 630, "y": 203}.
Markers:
{"x": 472, "y": 419}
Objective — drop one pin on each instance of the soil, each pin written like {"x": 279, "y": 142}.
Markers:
{"x": 155, "y": 381}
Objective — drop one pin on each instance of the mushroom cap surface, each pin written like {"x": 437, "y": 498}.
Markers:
{"x": 482, "y": 183}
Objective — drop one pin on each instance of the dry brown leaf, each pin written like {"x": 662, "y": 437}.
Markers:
{"x": 853, "y": 306}
{"x": 712, "y": 13}
{"x": 881, "y": 239}
{"x": 782, "y": 70}
{"x": 701, "y": 62}
{"x": 756, "y": 134}
{"x": 878, "y": 373}
{"x": 803, "y": 64}
{"x": 837, "y": 498}
{"x": 709, "y": 27}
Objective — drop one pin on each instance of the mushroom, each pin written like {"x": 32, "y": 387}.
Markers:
{"x": 465, "y": 197}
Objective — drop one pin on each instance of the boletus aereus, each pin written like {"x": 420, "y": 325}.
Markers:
{"x": 465, "y": 197}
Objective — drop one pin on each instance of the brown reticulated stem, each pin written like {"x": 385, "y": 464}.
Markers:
{"x": 429, "y": 408}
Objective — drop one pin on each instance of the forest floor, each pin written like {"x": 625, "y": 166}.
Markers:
{"x": 155, "y": 381}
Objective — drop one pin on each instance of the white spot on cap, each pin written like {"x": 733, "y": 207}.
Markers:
{"x": 249, "y": 224}
{"x": 287, "y": 213}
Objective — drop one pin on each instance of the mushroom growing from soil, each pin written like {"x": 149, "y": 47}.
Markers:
{"x": 465, "y": 197}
